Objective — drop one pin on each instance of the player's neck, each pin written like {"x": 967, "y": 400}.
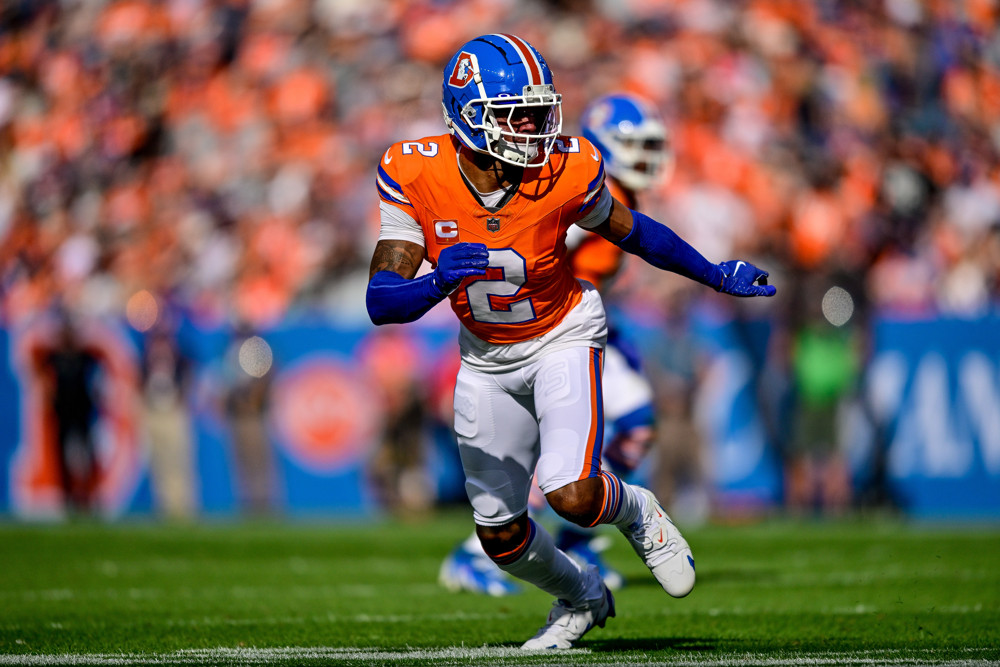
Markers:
{"x": 486, "y": 173}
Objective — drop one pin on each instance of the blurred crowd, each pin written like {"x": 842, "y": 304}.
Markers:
{"x": 219, "y": 154}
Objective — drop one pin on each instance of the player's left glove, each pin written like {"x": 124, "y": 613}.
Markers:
{"x": 741, "y": 278}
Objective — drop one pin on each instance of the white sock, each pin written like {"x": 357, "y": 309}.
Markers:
{"x": 539, "y": 562}
{"x": 623, "y": 504}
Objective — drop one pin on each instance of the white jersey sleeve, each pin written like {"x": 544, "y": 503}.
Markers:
{"x": 397, "y": 225}
{"x": 599, "y": 213}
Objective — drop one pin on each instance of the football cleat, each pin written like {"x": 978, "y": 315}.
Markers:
{"x": 588, "y": 553}
{"x": 662, "y": 547}
{"x": 464, "y": 570}
{"x": 567, "y": 623}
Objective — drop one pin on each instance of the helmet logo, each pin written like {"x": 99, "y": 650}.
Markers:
{"x": 462, "y": 74}
{"x": 600, "y": 114}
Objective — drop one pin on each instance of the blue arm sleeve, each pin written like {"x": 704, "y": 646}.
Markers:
{"x": 661, "y": 247}
{"x": 392, "y": 299}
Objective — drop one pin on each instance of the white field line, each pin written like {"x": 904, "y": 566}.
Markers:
{"x": 459, "y": 616}
{"x": 244, "y": 592}
{"x": 62, "y": 595}
{"x": 210, "y": 621}
{"x": 502, "y": 655}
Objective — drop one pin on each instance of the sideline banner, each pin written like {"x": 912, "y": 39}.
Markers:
{"x": 103, "y": 372}
{"x": 283, "y": 421}
{"x": 934, "y": 392}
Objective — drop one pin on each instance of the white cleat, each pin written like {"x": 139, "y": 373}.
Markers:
{"x": 662, "y": 548}
{"x": 566, "y": 623}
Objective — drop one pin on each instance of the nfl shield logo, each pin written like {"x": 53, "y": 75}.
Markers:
{"x": 493, "y": 224}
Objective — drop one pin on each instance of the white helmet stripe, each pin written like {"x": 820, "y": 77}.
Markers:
{"x": 477, "y": 78}
{"x": 531, "y": 64}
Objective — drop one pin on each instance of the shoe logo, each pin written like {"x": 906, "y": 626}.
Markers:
{"x": 661, "y": 536}
{"x": 691, "y": 560}
{"x": 387, "y": 158}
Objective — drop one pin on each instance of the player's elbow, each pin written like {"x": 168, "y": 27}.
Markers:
{"x": 378, "y": 300}
{"x": 384, "y": 307}
{"x": 378, "y": 319}
{"x": 393, "y": 299}
{"x": 377, "y": 311}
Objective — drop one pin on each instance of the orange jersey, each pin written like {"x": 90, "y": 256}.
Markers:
{"x": 596, "y": 259}
{"x": 529, "y": 286}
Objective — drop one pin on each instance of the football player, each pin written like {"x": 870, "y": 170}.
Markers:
{"x": 489, "y": 206}
{"x": 632, "y": 138}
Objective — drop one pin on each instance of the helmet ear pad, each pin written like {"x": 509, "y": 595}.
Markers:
{"x": 461, "y": 123}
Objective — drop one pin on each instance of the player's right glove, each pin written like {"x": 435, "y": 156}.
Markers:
{"x": 741, "y": 278}
{"x": 458, "y": 262}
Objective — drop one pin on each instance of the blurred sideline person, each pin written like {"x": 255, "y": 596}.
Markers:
{"x": 246, "y": 405}
{"x": 70, "y": 368}
{"x": 489, "y": 206}
{"x": 166, "y": 382}
{"x": 631, "y": 136}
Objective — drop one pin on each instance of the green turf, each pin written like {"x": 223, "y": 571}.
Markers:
{"x": 779, "y": 592}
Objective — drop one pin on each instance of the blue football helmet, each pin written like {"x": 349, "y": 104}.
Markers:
{"x": 631, "y": 136}
{"x": 493, "y": 80}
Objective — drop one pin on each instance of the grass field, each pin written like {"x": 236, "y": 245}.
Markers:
{"x": 875, "y": 592}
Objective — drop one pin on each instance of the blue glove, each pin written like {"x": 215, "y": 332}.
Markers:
{"x": 458, "y": 262}
{"x": 392, "y": 299}
{"x": 741, "y": 278}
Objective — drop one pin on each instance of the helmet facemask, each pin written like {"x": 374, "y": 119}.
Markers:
{"x": 641, "y": 159}
{"x": 497, "y": 117}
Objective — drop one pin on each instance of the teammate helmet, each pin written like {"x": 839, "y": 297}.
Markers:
{"x": 485, "y": 82}
{"x": 631, "y": 136}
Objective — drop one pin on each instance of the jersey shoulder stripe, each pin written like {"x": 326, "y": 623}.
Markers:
{"x": 576, "y": 160}
{"x": 389, "y": 189}
{"x": 403, "y": 164}
{"x": 593, "y": 189}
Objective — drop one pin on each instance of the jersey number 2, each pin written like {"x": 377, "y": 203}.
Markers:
{"x": 481, "y": 293}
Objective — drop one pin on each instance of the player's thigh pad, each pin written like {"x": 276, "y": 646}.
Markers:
{"x": 497, "y": 436}
{"x": 568, "y": 403}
